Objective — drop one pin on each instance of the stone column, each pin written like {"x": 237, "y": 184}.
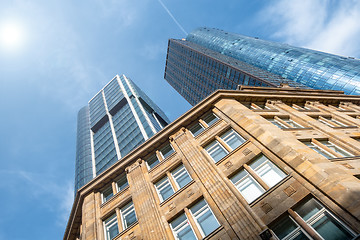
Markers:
{"x": 89, "y": 218}
{"x": 147, "y": 211}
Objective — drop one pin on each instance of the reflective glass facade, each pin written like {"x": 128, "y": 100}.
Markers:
{"x": 117, "y": 119}
{"x": 195, "y": 71}
{"x": 312, "y": 68}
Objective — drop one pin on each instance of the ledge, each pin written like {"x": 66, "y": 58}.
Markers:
{"x": 176, "y": 193}
{"x": 345, "y": 127}
{"x": 344, "y": 158}
{"x": 126, "y": 230}
{"x": 161, "y": 162}
{"x": 113, "y": 197}
{"x": 297, "y": 129}
{"x": 210, "y": 127}
{"x": 214, "y": 232}
{"x": 230, "y": 153}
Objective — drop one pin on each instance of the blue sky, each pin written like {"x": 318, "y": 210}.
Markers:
{"x": 68, "y": 50}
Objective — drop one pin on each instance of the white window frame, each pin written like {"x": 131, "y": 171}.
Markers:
{"x": 161, "y": 184}
{"x": 211, "y": 113}
{"x": 109, "y": 224}
{"x": 103, "y": 200}
{"x": 241, "y": 181}
{"x": 179, "y": 173}
{"x": 161, "y": 153}
{"x": 117, "y": 185}
{"x": 126, "y": 210}
{"x": 147, "y": 164}
{"x": 198, "y": 123}
{"x": 201, "y": 212}
{"x": 181, "y": 226}
{"x": 231, "y": 134}
{"x": 211, "y": 149}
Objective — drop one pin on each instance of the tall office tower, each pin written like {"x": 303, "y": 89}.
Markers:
{"x": 116, "y": 120}
{"x": 209, "y": 59}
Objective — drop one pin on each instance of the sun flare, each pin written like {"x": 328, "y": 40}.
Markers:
{"x": 11, "y": 36}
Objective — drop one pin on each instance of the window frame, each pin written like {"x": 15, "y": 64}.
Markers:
{"x": 328, "y": 152}
{"x": 259, "y": 180}
{"x": 118, "y": 188}
{"x": 113, "y": 220}
{"x": 129, "y": 205}
{"x": 203, "y": 124}
{"x": 105, "y": 199}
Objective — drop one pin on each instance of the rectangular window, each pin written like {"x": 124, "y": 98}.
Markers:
{"x": 204, "y": 217}
{"x": 227, "y": 142}
{"x": 152, "y": 161}
{"x": 181, "y": 176}
{"x": 216, "y": 151}
{"x": 284, "y": 123}
{"x": 107, "y": 194}
{"x": 232, "y": 139}
{"x": 331, "y": 122}
{"x": 166, "y": 151}
{"x": 257, "y": 177}
{"x": 111, "y": 227}
{"x": 128, "y": 215}
{"x": 122, "y": 183}
{"x": 316, "y": 216}
{"x": 164, "y": 189}
{"x": 327, "y": 149}
{"x": 206, "y": 121}
{"x": 196, "y": 129}
{"x": 210, "y": 119}
{"x": 181, "y": 228}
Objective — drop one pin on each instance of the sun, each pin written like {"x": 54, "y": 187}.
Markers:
{"x": 11, "y": 36}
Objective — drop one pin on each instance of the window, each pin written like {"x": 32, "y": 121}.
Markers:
{"x": 331, "y": 122}
{"x": 313, "y": 214}
{"x": 301, "y": 107}
{"x": 107, "y": 194}
{"x": 203, "y": 217}
{"x": 205, "y": 122}
{"x": 327, "y": 149}
{"x": 181, "y": 228}
{"x": 154, "y": 159}
{"x": 284, "y": 123}
{"x": 259, "y": 106}
{"x": 224, "y": 144}
{"x": 257, "y": 177}
{"x": 122, "y": 183}
{"x": 111, "y": 227}
{"x": 164, "y": 187}
{"x": 128, "y": 215}
{"x": 166, "y": 151}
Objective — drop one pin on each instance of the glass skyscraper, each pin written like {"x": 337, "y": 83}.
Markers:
{"x": 116, "y": 120}
{"x": 210, "y": 59}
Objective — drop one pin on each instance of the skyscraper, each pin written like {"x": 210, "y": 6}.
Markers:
{"x": 209, "y": 59}
{"x": 116, "y": 120}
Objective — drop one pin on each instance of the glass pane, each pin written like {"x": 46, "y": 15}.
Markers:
{"x": 152, "y": 161}
{"x": 283, "y": 227}
{"x": 107, "y": 194}
{"x": 181, "y": 176}
{"x": 185, "y": 234}
{"x": 330, "y": 229}
{"x": 167, "y": 151}
{"x": 299, "y": 236}
{"x": 175, "y": 223}
{"x": 122, "y": 183}
{"x": 210, "y": 119}
{"x": 130, "y": 219}
{"x": 113, "y": 231}
{"x": 268, "y": 172}
{"x": 207, "y": 222}
{"x": 308, "y": 209}
{"x": 216, "y": 151}
{"x": 196, "y": 129}
{"x": 165, "y": 190}
{"x": 276, "y": 123}
{"x": 250, "y": 189}
{"x": 232, "y": 139}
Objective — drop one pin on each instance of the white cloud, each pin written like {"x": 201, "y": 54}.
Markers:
{"x": 325, "y": 25}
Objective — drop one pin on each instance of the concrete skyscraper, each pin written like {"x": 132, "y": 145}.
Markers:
{"x": 210, "y": 59}
{"x": 116, "y": 120}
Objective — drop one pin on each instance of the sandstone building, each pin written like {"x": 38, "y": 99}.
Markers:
{"x": 253, "y": 163}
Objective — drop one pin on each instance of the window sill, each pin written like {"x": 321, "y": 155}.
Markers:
{"x": 265, "y": 194}
{"x": 344, "y": 127}
{"x": 344, "y": 158}
{"x": 176, "y": 193}
{"x": 264, "y": 110}
{"x": 126, "y": 230}
{"x": 297, "y": 129}
{"x": 113, "y": 197}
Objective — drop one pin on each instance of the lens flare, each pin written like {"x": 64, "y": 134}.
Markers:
{"x": 11, "y": 36}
